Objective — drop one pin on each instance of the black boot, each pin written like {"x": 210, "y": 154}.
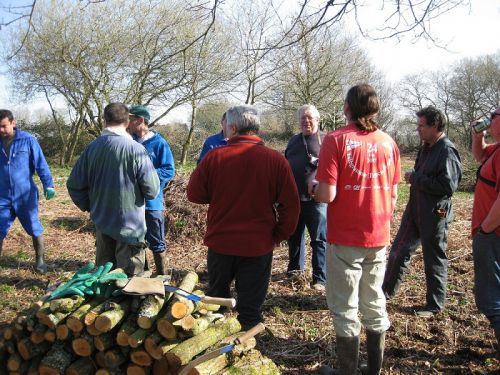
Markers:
{"x": 347, "y": 357}
{"x": 161, "y": 262}
{"x": 375, "y": 344}
{"x": 40, "y": 267}
{"x": 1, "y": 248}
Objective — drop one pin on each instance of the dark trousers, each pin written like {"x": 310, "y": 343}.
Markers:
{"x": 251, "y": 275}
{"x": 431, "y": 232}
{"x": 486, "y": 252}
{"x": 155, "y": 232}
{"x": 313, "y": 217}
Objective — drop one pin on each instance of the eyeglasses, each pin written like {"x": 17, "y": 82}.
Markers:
{"x": 493, "y": 114}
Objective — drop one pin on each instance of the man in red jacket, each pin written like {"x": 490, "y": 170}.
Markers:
{"x": 254, "y": 205}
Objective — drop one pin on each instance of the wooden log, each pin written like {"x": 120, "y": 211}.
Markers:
{"x": 50, "y": 335}
{"x": 27, "y": 349}
{"x": 10, "y": 347}
{"x": 51, "y": 319}
{"x": 166, "y": 346}
{"x": 115, "y": 357}
{"x": 8, "y": 332}
{"x": 82, "y": 366}
{"x": 104, "y": 341}
{"x": 151, "y": 344}
{"x": 94, "y": 312}
{"x": 203, "y": 307}
{"x": 62, "y": 332}
{"x": 34, "y": 364}
{"x": 99, "y": 359}
{"x": 138, "y": 370}
{"x": 149, "y": 310}
{"x": 216, "y": 364}
{"x": 179, "y": 309}
{"x": 166, "y": 328}
{"x": 38, "y": 334}
{"x": 185, "y": 351}
{"x": 137, "y": 338}
{"x": 140, "y": 357}
{"x": 126, "y": 329}
{"x": 109, "y": 371}
{"x": 67, "y": 304}
{"x": 14, "y": 362}
{"x": 56, "y": 360}
{"x": 83, "y": 345}
{"x": 92, "y": 330}
{"x": 252, "y": 362}
{"x": 196, "y": 326}
{"x": 160, "y": 367}
{"x": 107, "y": 320}
{"x": 184, "y": 307}
{"x": 75, "y": 321}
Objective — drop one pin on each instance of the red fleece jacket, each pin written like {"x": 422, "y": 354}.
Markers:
{"x": 243, "y": 182}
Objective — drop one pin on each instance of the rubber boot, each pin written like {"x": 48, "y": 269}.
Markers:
{"x": 40, "y": 267}
{"x": 1, "y": 248}
{"x": 375, "y": 344}
{"x": 497, "y": 335}
{"x": 347, "y": 357}
{"x": 161, "y": 262}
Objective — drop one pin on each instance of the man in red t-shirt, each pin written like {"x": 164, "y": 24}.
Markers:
{"x": 486, "y": 225}
{"x": 358, "y": 173}
{"x": 254, "y": 205}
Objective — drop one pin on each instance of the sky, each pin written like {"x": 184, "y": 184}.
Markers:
{"x": 464, "y": 32}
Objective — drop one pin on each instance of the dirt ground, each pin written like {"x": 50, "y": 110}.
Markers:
{"x": 300, "y": 336}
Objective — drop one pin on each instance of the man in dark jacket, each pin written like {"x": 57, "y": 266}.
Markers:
{"x": 302, "y": 153}
{"x": 254, "y": 206}
{"x": 435, "y": 178}
{"x": 20, "y": 157}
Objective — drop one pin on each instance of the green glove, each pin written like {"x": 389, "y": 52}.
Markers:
{"x": 49, "y": 193}
{"x": 75, "y": 286}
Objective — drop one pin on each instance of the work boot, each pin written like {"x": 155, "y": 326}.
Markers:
{"x": 375, "y": 344}
{"x": 1, "y": 248}
{"x": 40, "y": 267}
{"x": 347, "y": 357}
{"x": 161, "y": 262}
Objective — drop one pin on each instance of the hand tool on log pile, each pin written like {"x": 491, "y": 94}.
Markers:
{"x": 144, "y": 286}
{"x": 224, "y": 349}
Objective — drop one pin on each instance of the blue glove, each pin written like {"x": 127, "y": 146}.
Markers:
{"x": 49, "y": 193}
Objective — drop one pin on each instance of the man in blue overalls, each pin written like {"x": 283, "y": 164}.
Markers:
{"x": 20, "y": 157}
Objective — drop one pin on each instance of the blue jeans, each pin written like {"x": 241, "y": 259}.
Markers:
{"x": 486, "y": 252}
{"x": 155, "y": 232}
{"x": 313, "y": 216}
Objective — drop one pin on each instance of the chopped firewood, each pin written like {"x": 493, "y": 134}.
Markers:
{"x": 140, "y": 357}
{"x": 137, "y": 338}
{"x": 55, "y": 361}
{"x": 252, "y": 362}
{"x": 166, "y": 328}
{"x": 67, "y": 304}
{"x": 148, "y": 311}
{"x": 138, "y": 370}
{"x": 50, "y": 335}
{"x": 186, "y": 350}
{"x": 27, "y": 349}
{"x": 38, "y": 334}
{"x": 14, "y": 362}
{"x": 81, "y": 366}
{"x": 104, "y": 341}
{"x": 75, "y": 321}
{"x": 92, "y": 330}
{"x": 62, "y": 332}
{"x": 107, "y": 320}
{"x": 126, "y": 329}
{"x": 160, "y": 367}
{"x": 116, "y": 356}
{"x": 83, "y": 345}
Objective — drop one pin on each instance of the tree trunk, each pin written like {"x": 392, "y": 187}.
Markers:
{"x": 148, "y": 311}
{"x": 185, "y": 351}
{"x": 110, "y": 318}
{"x": 75, "y": 321}
{"x": 55, "y": 361}
{"x": 83, "y": 345}
{"x": 126, "y": 329}
{"x": 187, "y": 143}
{"x": 82, "y": 366}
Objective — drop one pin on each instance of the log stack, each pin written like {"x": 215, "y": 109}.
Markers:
{"x": 79, "y": 336}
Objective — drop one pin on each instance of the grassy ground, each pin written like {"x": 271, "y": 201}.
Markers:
{"x": 457, "y": 341}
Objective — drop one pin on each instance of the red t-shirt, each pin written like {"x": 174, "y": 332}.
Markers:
{"x": 484, "y": 194}
{"x": 254, "y": 204}
{"x": 364, "y": 166}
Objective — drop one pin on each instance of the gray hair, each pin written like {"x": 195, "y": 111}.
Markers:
{"x": 308, "y": 107}
{"x": 244, "y": 117}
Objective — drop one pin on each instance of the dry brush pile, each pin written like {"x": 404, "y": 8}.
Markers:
{"x": 135, "y": 335}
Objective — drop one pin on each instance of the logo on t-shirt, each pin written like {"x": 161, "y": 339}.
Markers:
{"x": 371, "y": 155}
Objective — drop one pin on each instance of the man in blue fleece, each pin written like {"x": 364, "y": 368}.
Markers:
{"x": 20, "y": 157}
{"x": 163, "y": 161}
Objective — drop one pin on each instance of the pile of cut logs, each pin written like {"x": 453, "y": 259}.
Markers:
{"x": 126, "y": 335}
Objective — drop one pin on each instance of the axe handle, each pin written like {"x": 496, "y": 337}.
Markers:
{"x": 228, "y": 302}
{"x": 250, "y": 333}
